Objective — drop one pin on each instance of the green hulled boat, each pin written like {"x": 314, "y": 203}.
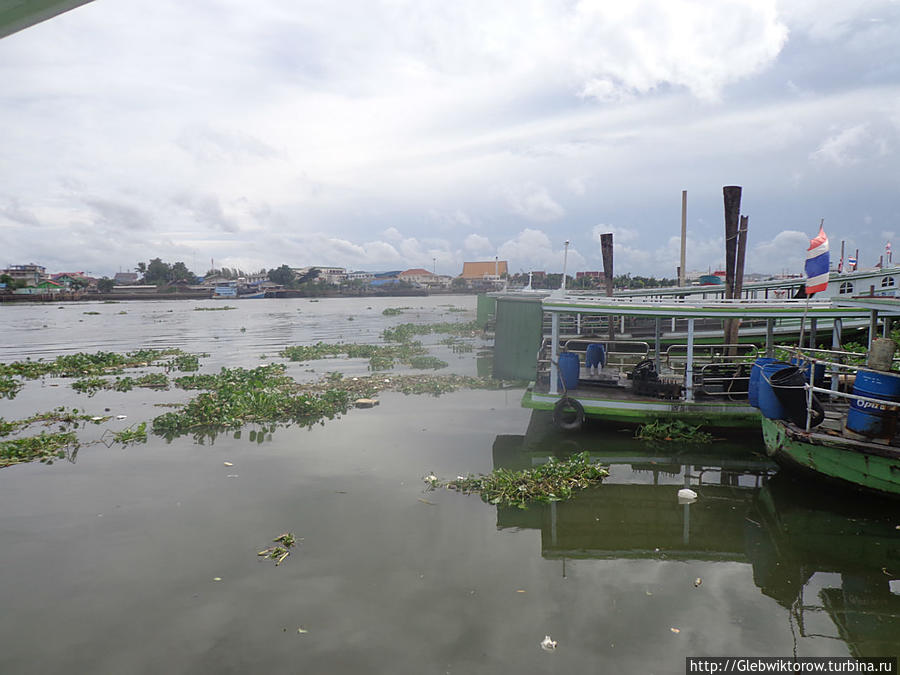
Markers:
{"x": 850, "y": 461}
{"x": 647, "y": 380}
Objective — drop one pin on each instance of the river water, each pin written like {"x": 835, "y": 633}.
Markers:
{"x": 143, "y": 559}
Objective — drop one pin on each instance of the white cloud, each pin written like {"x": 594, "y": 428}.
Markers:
{"x": 534, "y": 203}
{"x": 477, "y": 244}
{"x": 620, "y": 234}
{"x": 787, "y": 250}
{"x": 532, "y": 250}
{"x": 840, "y": 148}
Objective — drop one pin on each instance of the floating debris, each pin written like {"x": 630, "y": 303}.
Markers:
{"x": 228, "y": 463}
{"x": 279, "y": 553}
{"x": 366, "y": 402}
{"x": 686, "y": 496}
{"x": 548, "y": 644}
{"x": 675, "y": 630}
{"x": 697, "y": 582}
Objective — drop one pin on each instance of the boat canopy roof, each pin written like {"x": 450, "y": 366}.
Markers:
{"x": 582, "y": 303}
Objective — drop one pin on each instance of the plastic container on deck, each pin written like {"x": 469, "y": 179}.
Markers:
{"x": 877, "y": 420}
{"x": 595, "y": 357}
{"x": 769, "y": 405}
{"x": 569, "y": 369}
{"x": 753, "y": 386}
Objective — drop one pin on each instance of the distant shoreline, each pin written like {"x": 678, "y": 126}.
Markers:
{"x": 46, "y": 298}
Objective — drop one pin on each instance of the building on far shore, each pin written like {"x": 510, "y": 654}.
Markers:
{"x": 486, "y": 274}
{"x": 125, "y": 278}
{"x": 31, "y": 274}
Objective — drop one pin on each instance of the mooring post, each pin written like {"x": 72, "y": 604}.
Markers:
{"x": 732, "y": 200}
{"x": 606, "y": 251}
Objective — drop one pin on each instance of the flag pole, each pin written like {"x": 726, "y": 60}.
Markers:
{"x": 817, "y": 265}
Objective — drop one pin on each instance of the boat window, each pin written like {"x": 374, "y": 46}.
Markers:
{"x": 887, "y": 281}
{"x": 846, "y": 287}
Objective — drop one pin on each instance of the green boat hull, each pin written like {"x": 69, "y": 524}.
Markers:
{"x": 853, "y": 463}
{"x": 630, "y": 411}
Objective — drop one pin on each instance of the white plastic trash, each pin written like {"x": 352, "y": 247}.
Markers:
{"x": 686, "y": 496}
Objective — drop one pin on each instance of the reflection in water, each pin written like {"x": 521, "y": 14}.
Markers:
{"x": 789, "y": 531}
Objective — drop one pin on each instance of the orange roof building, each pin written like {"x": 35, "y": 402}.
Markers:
{"x": 484, "y": 270}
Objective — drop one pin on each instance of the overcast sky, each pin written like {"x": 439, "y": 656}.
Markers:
{"x": 388, "y": 134}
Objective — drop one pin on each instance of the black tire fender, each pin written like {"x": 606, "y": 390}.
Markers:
{"x": 562, "y": 412}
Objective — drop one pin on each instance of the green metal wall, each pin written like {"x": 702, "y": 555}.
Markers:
{"x": 487, "y": 307}
{"x": 517, "y": 338}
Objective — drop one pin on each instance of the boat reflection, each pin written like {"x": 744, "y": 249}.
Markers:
{"x": 814, "y": 552}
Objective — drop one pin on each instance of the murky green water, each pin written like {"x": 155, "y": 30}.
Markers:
{"x": 109, "y": 563}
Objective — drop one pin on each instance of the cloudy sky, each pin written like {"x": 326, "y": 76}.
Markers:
{"x": 386, "y": 134}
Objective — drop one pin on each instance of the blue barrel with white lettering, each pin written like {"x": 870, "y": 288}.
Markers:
{"x": 874, "y": 419}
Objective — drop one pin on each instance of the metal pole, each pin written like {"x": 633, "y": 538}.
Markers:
{"x": 873, "y": 326}
{"x": 656, "y": 346}
{"x": 770, "y": 337}
{"x": 554, "y": 352}
{"x": 835, "y": 345}
{"x": 689, "y": 366}
{"x": 682, "y": 276}
{"x": 565, "y": 263}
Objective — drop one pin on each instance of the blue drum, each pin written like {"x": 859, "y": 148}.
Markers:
{"x": 595, "y": 357}
{"x": 753, "y": 386}
{"x": 769, "y": 405}
{"x": 569, "y": 369}
{"x": 874, "y": 419}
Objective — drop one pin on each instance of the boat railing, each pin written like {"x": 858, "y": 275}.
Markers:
{"x": 723, "y": 379}
{"x": 839, "y": 371}
{"x": 676, "y": 355}
{"x": 618, "y": 352}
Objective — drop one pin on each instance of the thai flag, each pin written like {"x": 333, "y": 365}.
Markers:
{"x": 851, "y": 262}
{"x": 817, "y": 263}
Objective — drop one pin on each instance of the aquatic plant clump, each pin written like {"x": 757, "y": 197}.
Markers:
{"x": 136, "y": 433}
{"x": 279, "y": 553}
{"x": 269, "y": 375}
{"x": 231, "y": 408}
{"x": 83, "y": 364}
{"x": 405, "y": 331}
{"x": 381, "y": 357}
{"x": 675, "y": 431}
{"x": 9, "y": 387}
{"x": 551, "y": 482}
{"x": 44, "y": 447}
{"x": 91, "y": 385}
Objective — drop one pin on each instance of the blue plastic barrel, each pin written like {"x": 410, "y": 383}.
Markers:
{"x": 874, "y": 419}
{"x": 568, "y": 371}
{"x": 804, "y": 366}
{"x": 753, "y": 386}
{"x": 595, "y": 355}
{"x": 769, "y": 405}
